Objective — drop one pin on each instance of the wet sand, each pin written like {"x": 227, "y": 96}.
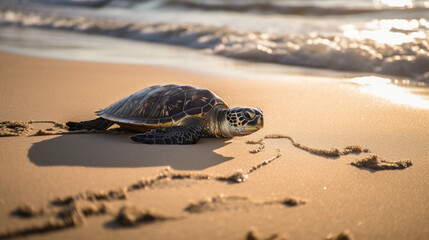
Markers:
{"x": 80, "y": 185}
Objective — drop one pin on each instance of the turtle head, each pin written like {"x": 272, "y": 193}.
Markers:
{"x": 244, "y": 120}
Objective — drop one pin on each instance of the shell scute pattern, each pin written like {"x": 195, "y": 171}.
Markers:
{"x": 179, "y": 116}
{"x": 152, "y": 121}
{"x": 197, "y": 98}
{"x": 161, "y": 106}
{"x": 193, "y": 111}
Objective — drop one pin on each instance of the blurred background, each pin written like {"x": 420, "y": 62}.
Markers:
{"x": 385, "y": 41}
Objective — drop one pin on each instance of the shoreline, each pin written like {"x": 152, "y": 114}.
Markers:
{"x": 123, "y": 51}
{"x": 327, "y": 50}
{"x": 213, "y": 64}
{"x": 324, "y": 113}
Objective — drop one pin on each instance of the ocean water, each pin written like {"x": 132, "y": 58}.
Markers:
{"x": 388, "y": 38}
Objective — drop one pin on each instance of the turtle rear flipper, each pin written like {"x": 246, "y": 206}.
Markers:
{"x": 171, "y": 135}
{"x": 96, "y": 124}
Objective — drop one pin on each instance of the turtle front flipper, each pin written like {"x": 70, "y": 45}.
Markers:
{"x": 96, "y": 124}
{"x": 171, "y": 135}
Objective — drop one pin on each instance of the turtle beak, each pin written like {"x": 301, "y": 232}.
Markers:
{"x": 260, "y": 121}
{"x": 259, "y": 118}
{"x": 255, "y": 124}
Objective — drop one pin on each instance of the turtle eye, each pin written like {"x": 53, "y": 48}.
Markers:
{"x": 248, "y": 114}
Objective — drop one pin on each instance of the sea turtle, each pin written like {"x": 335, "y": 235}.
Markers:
{"x": 175, "y": 114}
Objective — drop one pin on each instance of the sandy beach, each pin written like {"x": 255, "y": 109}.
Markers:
{"x": 324, "y": 195}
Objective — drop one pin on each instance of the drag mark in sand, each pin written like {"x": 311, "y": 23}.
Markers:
{"x": 166, "y": 174}
{"x": 28, "y": 211}
{"x": 132, "y": 216}
{"x": 91, "y": 196}
{"x": 345, "y": 235}
{"x": 237, "y": 177}
{"x": 44, "y": 227}
{"x": 20, "y": 128}
{"x": 260, "y": 142}
{"x": 253, "y": 235}
{"x": 8, "y": 128}
{"x": 25, "y": 128}
{"x": 222, "y": 202}
{"x": 376, "y": 163}
{"x": 266, "y": 162}
{"x": 372, "y": 162}
{"x": 333, "y": 152}
{"x": 70, "y": 216}
{"x": 75, "y": 213}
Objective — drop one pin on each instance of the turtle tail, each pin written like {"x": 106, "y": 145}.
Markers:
{"x": 96, "y": 124}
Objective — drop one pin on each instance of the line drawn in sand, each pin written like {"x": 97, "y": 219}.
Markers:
{"x": 372, "y": 162}
{"x": 72, "y": 211}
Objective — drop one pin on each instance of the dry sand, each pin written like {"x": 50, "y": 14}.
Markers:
{"x": 78, "y": 185}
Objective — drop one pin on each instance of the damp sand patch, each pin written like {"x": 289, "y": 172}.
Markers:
{"x": 376, "y": 163}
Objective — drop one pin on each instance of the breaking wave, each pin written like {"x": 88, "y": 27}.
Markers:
{"x": 327, "y": 8}
{"x": 268, "y": 7}
{"x": 337, "y": 52}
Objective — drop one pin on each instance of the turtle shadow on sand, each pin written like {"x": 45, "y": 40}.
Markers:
{"x": 114, "y": 151}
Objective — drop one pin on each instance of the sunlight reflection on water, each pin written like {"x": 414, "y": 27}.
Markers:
{"x": 397, "y": 3}
{"x": 389, "y": 31}
{"x": 383, "y": 87}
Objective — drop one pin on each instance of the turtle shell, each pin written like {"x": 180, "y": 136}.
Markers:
{"x": 161, "y": 106}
